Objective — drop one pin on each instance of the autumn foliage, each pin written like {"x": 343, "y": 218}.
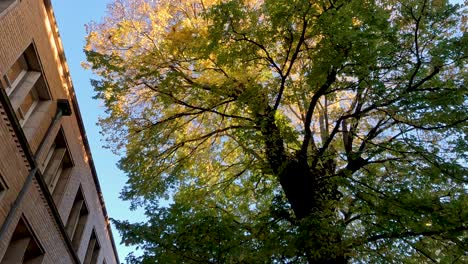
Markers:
{"x": 288, "y": 131}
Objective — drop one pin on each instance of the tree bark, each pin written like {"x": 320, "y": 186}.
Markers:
{"x": 310, "y": 201}
{"x": 309, "y": 198}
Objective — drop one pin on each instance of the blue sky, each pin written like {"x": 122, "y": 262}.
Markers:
{"x": 71, "y": 19}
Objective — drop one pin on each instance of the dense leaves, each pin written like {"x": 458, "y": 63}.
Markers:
{"x": 288, "y": 131}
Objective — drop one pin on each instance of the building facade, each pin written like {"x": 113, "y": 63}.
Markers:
{"x": 51, "y": 207}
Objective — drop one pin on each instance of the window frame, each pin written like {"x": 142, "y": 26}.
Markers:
{"x": 25, "y": 116}
{"x": 22, "y": 240}
{"x": 7, "y": 7}
{"x": 57, "y": 165}
{"x": 29, "y": 83}
{"x": 80, "y": 212}
{"x": 93, "y": 249}
{"x": 3, "y": 186}
{"x": 11, "y": 85}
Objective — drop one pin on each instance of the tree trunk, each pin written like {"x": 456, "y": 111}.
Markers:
{"x": 309, "y": 198}
{"x": 310, "y": 202}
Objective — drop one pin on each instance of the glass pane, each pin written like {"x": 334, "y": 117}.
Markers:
{"x": 16, "y": 69}
{"x": 49, "y": 155}
{"x": 27, "y": 103}
{"x": 56, "y": 178}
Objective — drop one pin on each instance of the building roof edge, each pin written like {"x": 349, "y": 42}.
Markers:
{"x": 76, "y": 108}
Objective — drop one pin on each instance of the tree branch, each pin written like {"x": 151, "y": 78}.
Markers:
{"x": 291, "y": 63}
{"x": 308, "y": 119}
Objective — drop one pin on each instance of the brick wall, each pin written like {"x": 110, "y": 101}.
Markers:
{"x": 24, "y": 23}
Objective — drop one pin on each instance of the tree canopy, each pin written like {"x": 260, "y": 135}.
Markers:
{"x": 288, "y": 131}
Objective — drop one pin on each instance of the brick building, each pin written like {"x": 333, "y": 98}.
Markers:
{"x": 51, "y": 207}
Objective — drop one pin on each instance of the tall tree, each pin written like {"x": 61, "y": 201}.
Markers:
{"x": 288, "y": 131}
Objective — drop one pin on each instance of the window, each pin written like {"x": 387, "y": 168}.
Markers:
{"x": 28, "y": 105}
{"x": 24, "y": 246}
{"x": 92, "y": 253}
{"x": 4, "y": 4}
{"x": 56, "y": 166}
{"x": 3, "y": 186}
{"x": 25, "y": 85}
{"x": 77, "y": 219}
{"x": 15, "y": 74}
